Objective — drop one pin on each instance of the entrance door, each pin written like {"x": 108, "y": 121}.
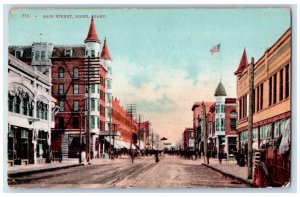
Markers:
{"x": 74, "y": 146}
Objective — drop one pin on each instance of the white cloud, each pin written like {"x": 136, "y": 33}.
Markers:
{"x": 167, "y": 83}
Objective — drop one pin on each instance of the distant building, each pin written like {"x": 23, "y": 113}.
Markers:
{"x": 126, "y": 125}
{"x": 31, "y": 111}
{"x": 188, "y": 139}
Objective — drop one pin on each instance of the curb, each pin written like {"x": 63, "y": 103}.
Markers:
{"x": 248, "y": 182}
{"x": 23, "y": 173}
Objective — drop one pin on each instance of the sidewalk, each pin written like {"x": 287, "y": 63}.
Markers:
{"x": 230, "y": 169}
{"x": 19, "y": 170}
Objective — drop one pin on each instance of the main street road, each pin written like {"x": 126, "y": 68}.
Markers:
{"x": 170, "y": 172}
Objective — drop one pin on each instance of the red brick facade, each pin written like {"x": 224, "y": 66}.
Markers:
{"x": 122, "y": 120}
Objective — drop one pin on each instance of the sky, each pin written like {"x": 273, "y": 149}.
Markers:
{"x": 161, "y": 59}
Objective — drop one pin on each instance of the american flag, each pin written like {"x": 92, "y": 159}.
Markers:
{"x": 215, "y": 49}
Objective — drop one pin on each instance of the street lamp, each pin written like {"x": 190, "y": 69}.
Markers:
{"x": 31, "y": 122}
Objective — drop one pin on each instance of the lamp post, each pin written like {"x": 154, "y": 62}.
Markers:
{"x": 31, "y": 121}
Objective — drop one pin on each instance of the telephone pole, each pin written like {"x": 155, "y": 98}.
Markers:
{"x": 204, "y": 130}
{"x": 131, "y": 110}
{"x": 250, "y": 118}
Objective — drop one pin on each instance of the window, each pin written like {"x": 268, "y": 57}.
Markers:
{"x": 257, "y": 99}
{"x": 61, "y": 106}
{"x": 61, "y": 89}
{"x": 217, "y": 108}
{"x": 93, "y": 105}
{"x": 287, "y": 81}
{"x": 93, "y": 88}
{"x": 261, "y": 96}
{"x": 222, "y": 108}
{"x": 254, "y": 133}
{"x": 75, "y": 89}
{"x": 43, "y": 55}
{"x": 222, "y": 124}
{"x": 281, "y": 85}
{"x": 217, "y": 124}
{"x": 233, "y": 124}
{"x": 108, "y": 84}
{"x": 17, "y": 105}
{"x": 98, "y": 123}
{"x": 18, "y": 54}
{"x": 75, "y": 73}
{"x": 276, "y": 129}
{"x": 275, "y": 89}
{"x": 270, "y": 91}
{"x": 240, "y": 108}
{"x": 109, "y": 72}
{"x": 37, "y": 56}
{"x": 10, "y": 103}
{"x": 86, "y": 53}
{"x": 61, "y": 73}
{"x": 93, "y": 122}
{"x": 61, "y": 122}
{"x": 75, "y": 106}
{"x": 92, "y": 53}
{"x": 68, "y": 53}
{"x": 75, "y": 123}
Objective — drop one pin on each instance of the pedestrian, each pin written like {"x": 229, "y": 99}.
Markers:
{"x": 156, "y": 157}
{"x": 220, "y": 154}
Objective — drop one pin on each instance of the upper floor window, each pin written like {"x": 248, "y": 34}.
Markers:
{"x": 43, "y": 55}
{"x": 75, "y": 73}
{"x": 61, "y": 89}
{"x": 232, "y": 124}
{"x": 18, "y": 53}
{"x": 287, "y": 81}
{"x": 61, "y": 106}
{"x": 92, "y": 53}
{"x": 37, "y": 56}
{"x": 76, "y": 105}
{"x": 68, "y": 53}
{"x": 76, "y": 89}
{"x": 61, "y": 73}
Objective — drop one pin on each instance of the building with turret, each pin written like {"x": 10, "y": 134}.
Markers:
{"x": 70, "y": 88}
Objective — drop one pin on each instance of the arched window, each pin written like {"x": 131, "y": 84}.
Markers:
{"x": 75, "y": 73}
{"x": 17, "y": 104}
{"x": 61, "y": 73}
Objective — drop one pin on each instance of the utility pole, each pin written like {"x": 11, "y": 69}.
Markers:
{"x": 204, "y": 130}
{"x": 80, "y": 137}
{"x": 131, "y": 110}
{"x": 139, "y": 132}
{"x": 110, "y": 130}
{"x": 250, "y": 118}
{"x": 89, "y": 113}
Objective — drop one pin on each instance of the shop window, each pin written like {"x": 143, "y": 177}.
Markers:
{"x": 42, "y": 144}
{"x": 255, "y": 133}
{"x": 276, "y": 129}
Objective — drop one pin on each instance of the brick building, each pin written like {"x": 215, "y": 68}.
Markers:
{"x": 188, "y": 139}
{"x": 125, "y": 125}
{"x": 69, "y": 87}
{"x": 272, "y": 106}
